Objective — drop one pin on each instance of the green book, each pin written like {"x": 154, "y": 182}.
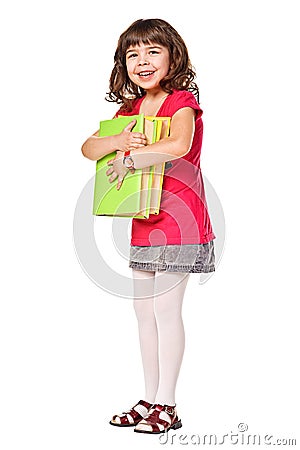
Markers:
{"x": 133, "y": 198}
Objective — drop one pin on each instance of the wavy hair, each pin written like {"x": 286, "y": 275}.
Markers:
{"x": 150, "y": 31}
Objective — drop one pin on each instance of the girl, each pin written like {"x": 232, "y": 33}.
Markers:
{"x": 153, "y": 75}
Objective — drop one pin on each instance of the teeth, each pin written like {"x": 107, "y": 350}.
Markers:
{"x": 145, "y": 74}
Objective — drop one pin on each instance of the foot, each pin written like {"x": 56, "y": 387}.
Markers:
{"x": 160, "y": 419}
{"x": 133, "y": 416}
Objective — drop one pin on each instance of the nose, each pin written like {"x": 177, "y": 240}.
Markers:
{"x": 143, "y": 61}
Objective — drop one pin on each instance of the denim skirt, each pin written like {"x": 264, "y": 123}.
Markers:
{"x": 189, "y": 258}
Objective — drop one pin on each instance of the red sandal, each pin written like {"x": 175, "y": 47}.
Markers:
{"x": 132, "y": 417}
{"x": 160, "y": 419}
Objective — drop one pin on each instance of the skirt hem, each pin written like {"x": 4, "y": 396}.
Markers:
{"x": 170, "y": 268}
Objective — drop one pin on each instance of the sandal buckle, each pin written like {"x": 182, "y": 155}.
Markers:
{"x": 169, "y": 410}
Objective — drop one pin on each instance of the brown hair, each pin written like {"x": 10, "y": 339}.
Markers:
{"x": 151, "y": 31}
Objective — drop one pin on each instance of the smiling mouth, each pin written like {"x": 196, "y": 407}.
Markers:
{"x": 145, "y": 74}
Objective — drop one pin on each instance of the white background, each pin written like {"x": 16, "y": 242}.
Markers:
{"x": 69, "y": 350}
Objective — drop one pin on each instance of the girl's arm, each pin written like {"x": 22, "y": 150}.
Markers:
{"x": 175, "y": 146}
{"x": 96, "y": 147}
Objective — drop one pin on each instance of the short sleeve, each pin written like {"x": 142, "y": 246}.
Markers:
{"x": 183, "y": 99}
{"x": 121, "y": 112}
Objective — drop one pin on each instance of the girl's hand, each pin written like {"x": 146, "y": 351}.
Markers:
{"x": 118, "y": 170}
{"x": 129, "y": 140}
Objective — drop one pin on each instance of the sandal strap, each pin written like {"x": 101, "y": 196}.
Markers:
{"x": 133, "y": 413}
{"x": 153, "y": 418}
{"x": 170, "y": 410}
{"x": 144, "y": 403}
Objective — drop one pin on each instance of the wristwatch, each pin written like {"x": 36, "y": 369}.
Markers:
{"x": 128, "y": 161}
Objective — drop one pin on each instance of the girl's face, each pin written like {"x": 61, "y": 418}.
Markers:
{"x": 147, "y": 65}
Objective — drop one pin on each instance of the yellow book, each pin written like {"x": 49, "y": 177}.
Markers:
{"x": 162, "y": 131}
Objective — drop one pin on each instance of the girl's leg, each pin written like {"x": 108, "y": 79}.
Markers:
{"x": 144, "y": 309}
{"x": 169, "y": 293}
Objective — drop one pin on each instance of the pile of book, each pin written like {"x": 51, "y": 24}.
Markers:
{"x": 140, "y": 192}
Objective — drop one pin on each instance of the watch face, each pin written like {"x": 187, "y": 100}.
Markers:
{"x": 128, "y": 161}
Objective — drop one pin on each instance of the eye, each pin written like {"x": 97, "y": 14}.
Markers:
{"x": 132, "y": 55}
{"x": 153, "y": 52}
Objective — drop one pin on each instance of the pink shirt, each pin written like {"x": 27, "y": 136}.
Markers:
{"x": 183, "y": 216}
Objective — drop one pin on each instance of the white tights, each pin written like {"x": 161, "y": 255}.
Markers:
{"x": 158, "y": 303}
